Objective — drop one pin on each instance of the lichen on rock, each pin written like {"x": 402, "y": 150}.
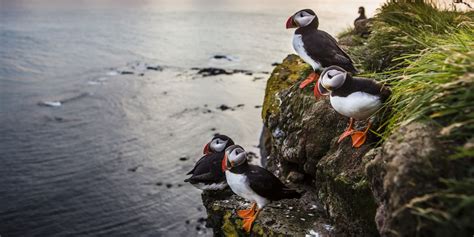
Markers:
{"x": 283, "y": 76}
{"x": 283, "y": 218}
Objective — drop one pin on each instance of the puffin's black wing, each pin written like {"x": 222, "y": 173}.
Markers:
{"x": 196, "y": 165}
{"x": 324, "y": 49}
{"x": 371, "y": 87}
{"x": 208, "y": 169}
{"x": 267, "y": 185}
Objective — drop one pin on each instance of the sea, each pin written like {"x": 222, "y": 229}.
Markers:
{"x": 103, "y": 110}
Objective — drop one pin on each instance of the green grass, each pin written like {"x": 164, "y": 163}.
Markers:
{"x": 438, "y": 84}
{"x": 426, "y": 55}
{"x": 401, "y": 28}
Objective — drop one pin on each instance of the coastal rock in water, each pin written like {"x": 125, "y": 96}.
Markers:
{"x": 154, "y": 68}
{"x": 211, "y": 71}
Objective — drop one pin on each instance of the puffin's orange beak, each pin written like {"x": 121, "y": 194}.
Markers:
{"x": 290, "y": 23}
{"x": 206, "y": 149}
{"x": 224, "y": 163}
{"x": 316, "y": 91}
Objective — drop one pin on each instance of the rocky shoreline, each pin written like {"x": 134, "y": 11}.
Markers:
{"x": 414, "y": 180}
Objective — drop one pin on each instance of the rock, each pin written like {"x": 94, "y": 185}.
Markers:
{"x": 205, "y": 72}
{"x": 224, "y": 107}
{"x": 409, "y": 184}
{"x": 246, "y": 72}
{"x": 126, "y": 72}
{"x": 154, "y": 68}
{"x": 134, "y": 169}
{"x": 303, "y": 133}
{"x": 282, "y": 77}
{"x": 276, "y": 219}
{"x": 225, "y": 57}
{"x": 183, "y": 158}
{"x": 405, "y": 179}
{"x": 212, "y": 71}
{"x": 218, "y": 56}
{"x": 295, "y": 177}
{"x": 265, "y": 145}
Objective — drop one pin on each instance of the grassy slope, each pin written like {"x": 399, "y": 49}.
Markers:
{"x": 426, "y": 55}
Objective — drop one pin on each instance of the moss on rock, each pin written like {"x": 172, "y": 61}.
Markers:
{"x": 283, "y": 218}
{"x": 283, "y": 76}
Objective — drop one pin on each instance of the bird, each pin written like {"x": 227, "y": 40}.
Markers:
{"x": 362, "y": 15}
{"x": 316, "y": 47}
{"x": 354, "y": 97}
{"x": 253, "y": 183}
{"x": 362, "y": 24}
{"x": 207, "y": 173}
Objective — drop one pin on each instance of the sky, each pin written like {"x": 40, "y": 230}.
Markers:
{"x": 197, "y": 5}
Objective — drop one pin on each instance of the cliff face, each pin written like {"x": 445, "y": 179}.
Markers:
{"x": 383, "y": 188}
{"x": 416, "y": 181}
{"x": 303, "y": 135}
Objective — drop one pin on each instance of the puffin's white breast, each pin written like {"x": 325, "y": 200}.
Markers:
{"x": 299, "y": 48}
{"x": 240, "y": 186}
{"x": 358, "y": 105}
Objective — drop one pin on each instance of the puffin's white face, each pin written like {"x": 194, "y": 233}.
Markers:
{"x": 333, "y": 78}
{"x": 303, "y": 18}
{"x": 218, "y": 144}
{"x": 234, "y": 156}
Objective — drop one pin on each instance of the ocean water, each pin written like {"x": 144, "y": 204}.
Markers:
{"x": 88, "y": 151}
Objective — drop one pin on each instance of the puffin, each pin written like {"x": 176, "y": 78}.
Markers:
{"x": 316, "y": 47}
{"x": 361, "y": 24}
{"x": 207, "y": 173}
{"x": 253, "y": 183}
{"x": 354, "y": 97}
{"x": 362, "y": 15}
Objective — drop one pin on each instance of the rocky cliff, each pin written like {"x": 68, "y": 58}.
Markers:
{"x": 415, "y": 177}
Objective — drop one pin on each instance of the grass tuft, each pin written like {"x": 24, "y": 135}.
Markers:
{"x": 426, "y": 55}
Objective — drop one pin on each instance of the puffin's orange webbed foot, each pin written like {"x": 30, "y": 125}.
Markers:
{"x": 244, "y": 214}
{"x": 349, "y": 131}
{"x": 311, "y": 77}
{"x": 248, "y": 222}
{"x": 359, "y": 138}
{"x": 345, "y": 134}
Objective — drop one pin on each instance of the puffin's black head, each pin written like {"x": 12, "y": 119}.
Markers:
{"x": 333, "y": 77}
{"x": 218, "y": 144}
{"x": 234, "y": 156}
{"x": 302, "y": 18}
